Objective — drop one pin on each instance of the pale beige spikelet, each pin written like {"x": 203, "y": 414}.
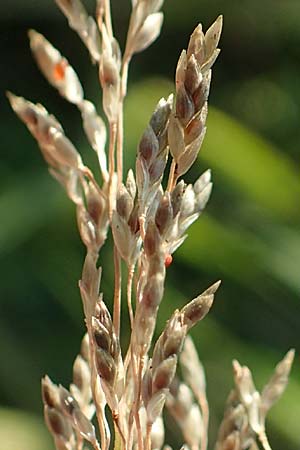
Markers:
{"x": 247, "y": 408}
{"x": 181, "y": 404}
{"x": 56, "y": 69}
{"x": 187, "y": 123}
{"x": 83, "y": 24}
{"x": 275, "y": 387}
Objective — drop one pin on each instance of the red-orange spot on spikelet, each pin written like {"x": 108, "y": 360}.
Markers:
{"x": 59, "y": 70}
{"x": 168, "y": 260}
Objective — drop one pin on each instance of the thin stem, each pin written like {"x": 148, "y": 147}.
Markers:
{"x": 119, "y": 436}
{"x": 107, "y": 16}
{"x": 111, "y": 158}
{"x": 120, "y": 128}
{"x": 129, "y": 293}
{"x": 89, "y": 174}
{"x": 120, "y": 144}
{"x": 117, "y": 443}
{"x": 124, "y": 76}
{"x": 112, "y": 144}
{"x": 100, "y": 14}
{"x": 96, "y": 445}
{"x": 202, "y": 400}
{"x": 137, "y": 403}
{"x": 264, "y": 440}
{"x": 148, "y": 436}
{"x": 79, "y": 441}
{"x": 172, "y": 178}
{"x": 117, "y": 291}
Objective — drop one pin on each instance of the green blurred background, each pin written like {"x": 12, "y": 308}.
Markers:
{"x": 249, "y": 236}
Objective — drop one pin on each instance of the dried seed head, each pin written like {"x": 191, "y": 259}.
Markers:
{"x": 157, "y": 168}
{"x": 160, "y": 117}
{"x": 152, "y": 239}
{"x": 148, "y": 146}
{"x": 184, "y": 105}
{"x": 131, "y": 184}
{"x": 192, "y": 369}
{"x": 126, "y": 236}
{"x": 133, "y": 221}
{"x": 232, "y": 442}
{"x": 109, "y": 72}
{"x": 95, "y": 131}
{"x": 188, "y": 202}
{"x": 203, "y": 197}
{"x": 81, "y": 373}
{"x": 58, "y": 424}
{"x": 196, "y": 44}
{"x": 212, "y": 289}
{"x": 197, "y": 309}
{"x": 193, "y": 427}
{"x": 106, "y": 366}
{"x": 148, "y": 32}
{"x": 212, "y": 37}
{"x": 164, "y": 214}
{"x": 188, "y": 158}
{"x": 155, "y": 405}
{"x": 176, "y": 197}
{"x": 144, "y": 325}
{"x": 200, "y": 96}
{"x": 101, "y": 335}
{"x": 63, "y": 150}
{"x": 83, "y": 24}
{"x": 84, "y": 426}
{"x": 170, "y": 341}
{"x": 86, "y": 228}
{"x": 174, "y": 336}
{"x": 153, "y": 292}
{"x": 193, "y": 130}
{"x": 181, "y": 69}
{"x": 147, "y": 383}
{"x": 50, "y": 393}
{"x": 89, "y": 286}
{"x": 124, "y": 203}
{"x": 164, "y": 373}
{"x": 56, "y": 148}
{"x": 175, "y": 137}
{"x": 67, "y": 401}
{"x": 103, "y": 315}
{"x": 193, "y": 75}
{"x": 278, "y": 382}
{"x": 202, "y": 182}
{"x": 97, "y": 206}
{"x": 56, "y": 68}
{"x": 85, "y": 344}
{"x": 157, "y": 433}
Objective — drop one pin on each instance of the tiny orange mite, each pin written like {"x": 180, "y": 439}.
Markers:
{"x": 59, "y": 70}
{"x": 168, "y": 260}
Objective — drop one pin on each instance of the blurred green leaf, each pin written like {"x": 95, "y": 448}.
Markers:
{"x": 252, "y": 166}
{"x": 21, "y": 430}
{"x": 26, "y": 204}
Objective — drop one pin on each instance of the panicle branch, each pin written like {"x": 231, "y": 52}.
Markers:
{"x": 148, "y": 213}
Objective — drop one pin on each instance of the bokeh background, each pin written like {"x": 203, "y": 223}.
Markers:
{"x": 249, "y": 236}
